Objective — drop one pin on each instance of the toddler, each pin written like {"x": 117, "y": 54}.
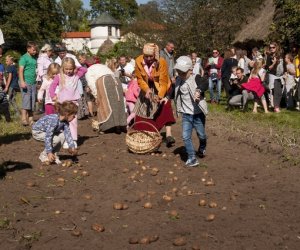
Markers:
{"x": 131, "y": 96}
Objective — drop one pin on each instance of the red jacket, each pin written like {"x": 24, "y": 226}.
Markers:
{"x": 218, "y": 66}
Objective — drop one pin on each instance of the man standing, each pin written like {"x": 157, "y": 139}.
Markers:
{"x": 126, "y": 70}
{"x": 168, "y": 54}
{"x": 62, "y": 53}
{"x": 213, "y": 66}
{"x": 197, "y": 65}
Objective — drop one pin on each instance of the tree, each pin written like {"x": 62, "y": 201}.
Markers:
{"x": 286, "y": 28}
{"x": 75, "y": 18}
{"x": 122, "y": 10}
{"x": 23, "y": 20}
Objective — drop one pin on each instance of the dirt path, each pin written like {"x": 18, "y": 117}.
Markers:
{"x": 42, "y": 207}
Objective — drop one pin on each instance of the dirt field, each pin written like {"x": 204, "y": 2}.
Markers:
{"x": 256, "y": 195}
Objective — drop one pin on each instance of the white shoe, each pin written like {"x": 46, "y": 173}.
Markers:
{"x": 57, "y": 160}
{"x": 43, "y": 157}
{"x": 65, "y": 145}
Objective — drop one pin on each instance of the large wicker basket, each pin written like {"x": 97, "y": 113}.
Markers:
{"x": 143, "y": 142}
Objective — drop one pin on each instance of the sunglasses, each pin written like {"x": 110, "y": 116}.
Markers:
{"x": 272, "y": 47}
{"x": 215, "y": 52}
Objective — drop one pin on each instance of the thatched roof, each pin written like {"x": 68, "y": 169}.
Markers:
{"x": 258, "y": 26}
{"x": 106, "y": 46}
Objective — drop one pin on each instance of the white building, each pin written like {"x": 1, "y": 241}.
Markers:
{"x": 102, "y": 28}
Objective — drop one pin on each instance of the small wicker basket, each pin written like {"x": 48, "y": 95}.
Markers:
{"x": 143, "y": 142}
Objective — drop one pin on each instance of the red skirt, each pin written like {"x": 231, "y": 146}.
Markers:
{"x": 165, "y": 117}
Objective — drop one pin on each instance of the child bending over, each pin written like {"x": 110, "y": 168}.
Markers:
{"x": 54, "y": 131}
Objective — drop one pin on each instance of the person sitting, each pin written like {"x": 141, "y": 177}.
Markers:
{"x": 236, "y": 89}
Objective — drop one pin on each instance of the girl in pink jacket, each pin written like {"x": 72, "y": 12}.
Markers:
{"x": 52, "y": 71}
{"x": 67, "y": 87}
{"x": 131, "y": 96}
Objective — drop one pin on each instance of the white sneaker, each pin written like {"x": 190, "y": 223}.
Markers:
{"x": 57, "y": 160}
{"x": 66, "y": 145}
{"x": 43, "y": 157}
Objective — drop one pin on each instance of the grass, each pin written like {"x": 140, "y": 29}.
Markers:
{"x": 13, "y": 130}
{"x": 282, "y": 121}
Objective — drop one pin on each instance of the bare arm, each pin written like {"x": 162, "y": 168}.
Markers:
{"x": 8, "y": 81}
{"x": 21, "y": 76}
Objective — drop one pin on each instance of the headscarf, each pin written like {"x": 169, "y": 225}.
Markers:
{"x": 151, "y": 49}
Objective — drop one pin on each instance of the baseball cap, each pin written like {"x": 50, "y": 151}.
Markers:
{"x": 184, "y": 64}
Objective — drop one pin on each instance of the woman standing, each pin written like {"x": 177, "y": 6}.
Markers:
{"x": 275, "y": 67}
{"x": 43, "y": 62}
{"x": 229, "y": 62}
{"x": 152, "y": 76}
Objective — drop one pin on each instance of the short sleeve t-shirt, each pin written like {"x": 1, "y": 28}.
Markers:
{"x": 14, "y": 76}
{"x": 29, "y": 63}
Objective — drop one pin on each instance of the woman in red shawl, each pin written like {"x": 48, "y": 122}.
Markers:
{"x": 152, "y": 76}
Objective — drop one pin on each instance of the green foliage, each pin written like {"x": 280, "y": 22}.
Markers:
{"x": 286, "y": 27}
{"x": 122, "y": 10}
{"x": 15, "y": 54}
{"x": 75, "y": 18}
{"x": 203, "y": 25}
{"x": 35, "y": 20}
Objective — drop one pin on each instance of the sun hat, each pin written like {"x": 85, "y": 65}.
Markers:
{"x": 184, "y": 64}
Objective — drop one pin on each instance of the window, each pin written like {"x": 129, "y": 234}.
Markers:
{"x": 109, "y": 30}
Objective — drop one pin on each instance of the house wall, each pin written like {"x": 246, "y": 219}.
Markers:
{"x": 77, "y": 44}
{"x": 98, "y": 36}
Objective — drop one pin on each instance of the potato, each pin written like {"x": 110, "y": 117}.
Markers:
{"x": 202, "y": 203}
{"x": 87, "y": 196}
{"x": 30, "y": 184}
{"x": 173, "y": 213}
{"x": 148, "y": 205}
{"x": 180, "y": 241}
{"x": 210, "y": 217}
{"x": 212, "y": 204}
{"x": 154, "y": 238}
{"x": 145, "y": 240}
{"x": 85, "y": 173}
{"x": 209, "y": 183}
{"x": 125, "y": 206}
{"x": 133, "y": 240}
{"x": 76, "y": 232}
{"x": 98, "y": 228}
{"x": 118, "y": 206}
{"x": 195, "y": 247}
{"x": 167, "y": 198}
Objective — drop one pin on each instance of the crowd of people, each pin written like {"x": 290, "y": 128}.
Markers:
{"x": 125, "y": 92}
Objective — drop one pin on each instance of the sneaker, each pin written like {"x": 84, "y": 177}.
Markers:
{"x": 57, "y": 160}
{"x": 170, "y": 141}
{"x": 201, "y": 153}
{"x": 192, "y": 163}
{"x": 43, "y": 157}
{"x": 65, "y": 145}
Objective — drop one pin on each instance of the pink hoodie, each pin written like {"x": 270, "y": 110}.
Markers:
{"x": 71, "y": 90}
{"x": 133, "y": 91}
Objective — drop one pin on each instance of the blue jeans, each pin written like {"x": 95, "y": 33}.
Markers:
{"x": 188, "y": 123}
{"x": 211, "y": 85}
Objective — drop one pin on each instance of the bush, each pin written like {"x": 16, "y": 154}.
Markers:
{"x": 15, "y": 54}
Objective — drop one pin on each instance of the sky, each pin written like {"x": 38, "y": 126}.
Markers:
{"x": 86, "y": 3}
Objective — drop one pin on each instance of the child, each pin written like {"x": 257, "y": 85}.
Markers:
{"x": 131, "y": 96}
{"x": 191, "y": 104}
{"x": 67, "y": 87}
{"x": 27, "y": 75}
{"x": 52, "y": 71}
{"x": 289, "y": 80}
{"x": 254, "y": 88}
{"x": 4, "y": 107}
{"x": 12, "y": 85}
{"x": 54, "y": 130}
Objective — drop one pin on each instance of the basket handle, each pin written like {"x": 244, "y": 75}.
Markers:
{"x": 145, "y": 123}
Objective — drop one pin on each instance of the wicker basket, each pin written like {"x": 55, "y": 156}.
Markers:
{"x": 143, "y": 142}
